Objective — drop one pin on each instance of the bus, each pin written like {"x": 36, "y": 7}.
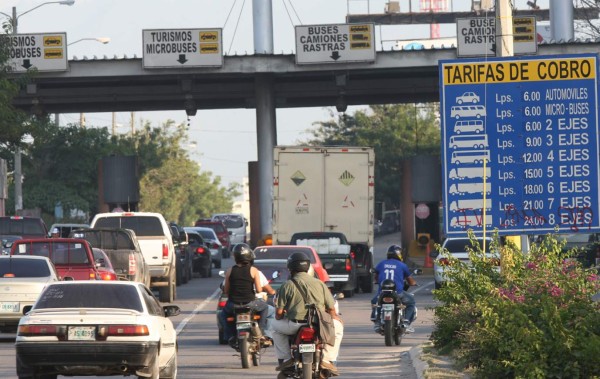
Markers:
{"x": 459, "y": 111}
{"x": 468, "y": 126}
{"x": 470, "y": 156}
{"x": 475, "y": 141}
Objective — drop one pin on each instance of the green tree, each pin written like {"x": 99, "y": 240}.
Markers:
{"x": 396, "y": 132}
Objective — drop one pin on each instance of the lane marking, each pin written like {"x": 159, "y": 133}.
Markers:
{"x": 199, "y": 308}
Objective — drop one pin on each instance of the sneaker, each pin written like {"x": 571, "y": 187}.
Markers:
{"x": 287, "y": 364}
{"x": 330, "y": 367}
{"x": 408, "y": 329}
{"x": 233, "y": 342}
{"x": 377, "y": 327}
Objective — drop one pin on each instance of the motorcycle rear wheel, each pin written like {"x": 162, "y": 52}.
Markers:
{"x": 256, "y": 359}
{"x": 243, "y": 344}
{"x": 307, "y": 365}
{"x": 388, "y": 332}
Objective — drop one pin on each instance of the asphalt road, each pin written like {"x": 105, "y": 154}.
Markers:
{"x": 363, "y": 353}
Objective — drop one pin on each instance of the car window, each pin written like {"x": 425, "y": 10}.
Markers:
{"x": 61, "y": 253}
{"x": 143, "y": 226}
{"x": 84, "y": 295}
{"x": 24, "y": 226}
{"x": 281, "y": 253}
{"x": 152, "y": 304}
{"x": 207, "y": 234}
{"x": 231, "y": 221}
{"x": 24, "y": 268}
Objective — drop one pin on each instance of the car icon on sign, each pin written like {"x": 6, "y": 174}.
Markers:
{"x": 468, "y": 97}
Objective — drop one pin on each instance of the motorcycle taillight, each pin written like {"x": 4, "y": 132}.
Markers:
{"x": 306, "y": 334}
{"x": 388, "y": 299}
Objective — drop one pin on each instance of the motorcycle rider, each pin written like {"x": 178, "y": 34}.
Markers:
{"x": 242, "y": 282}
{"x": 394, "y": 269}
{"x": 291, "y": 312}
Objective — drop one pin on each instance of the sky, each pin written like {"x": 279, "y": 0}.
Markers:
{"x": 225, "y": 140}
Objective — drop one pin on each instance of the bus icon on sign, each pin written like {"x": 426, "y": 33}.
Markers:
{"x": 459, "y": 111}
{"x": 470, "y": 156}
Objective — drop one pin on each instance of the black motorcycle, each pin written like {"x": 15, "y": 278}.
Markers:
{"x": 390, "y": 312}
{"x": 249, "y": 335}
{"x": 307, "y": 351}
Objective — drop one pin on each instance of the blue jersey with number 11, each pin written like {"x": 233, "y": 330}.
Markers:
{"x": 392, "y": 269}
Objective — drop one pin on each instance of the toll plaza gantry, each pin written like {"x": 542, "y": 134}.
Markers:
{"x": 241, "y": 81}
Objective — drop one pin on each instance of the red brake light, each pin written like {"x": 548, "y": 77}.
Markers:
{"x": 131, "y": 265}
{"x": 42, "y": 330}
{"x": 444, "y": 262}
{"x": 108, "y": 276}
{"x": 165, "y": 251}
{"x": 353, "y": 255}
{"x": 222, "y": 303}
{"x": 200, "y": 250}
{"x": 307, "y": 334}
{"x": 348, "y": 264}
{"x": 122, "y": 330}
{"x": 388, "y": 299}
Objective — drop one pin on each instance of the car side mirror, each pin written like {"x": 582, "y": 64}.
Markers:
{"x": 171, "y": 310}
{"x": 275, "y": 274}
{"x": 222, "y": 274}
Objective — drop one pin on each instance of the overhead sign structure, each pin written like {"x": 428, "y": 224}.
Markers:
{"x": 520, "y": 144}
{"x": 476, "y": 36}
{"x": 338, "y": 43}
{"x": 43, "y": 52}
{"x": 184, "y": 48}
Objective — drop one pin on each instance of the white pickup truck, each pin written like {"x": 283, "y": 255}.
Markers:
{"x": 154, "y": 237}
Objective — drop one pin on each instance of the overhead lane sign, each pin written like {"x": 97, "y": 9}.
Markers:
{"x": 44, "y": 52}
{"x": 185, "y": 48}
{"x": 476, "y": 36}
{"x": 338, "y": 43}
{"x": 520, "y": 144}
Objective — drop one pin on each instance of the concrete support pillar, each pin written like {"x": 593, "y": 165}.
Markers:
{"x": 561, "y": 20}
{"x": 262, "y": 17}
{"x": 504, "y": 29}
{"x": 266, "y": 135}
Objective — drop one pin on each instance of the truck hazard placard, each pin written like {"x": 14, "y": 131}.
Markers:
{"x": 339, "y": 43}
{"x": 43, "y": 52}
{"x": 185, "y": 48}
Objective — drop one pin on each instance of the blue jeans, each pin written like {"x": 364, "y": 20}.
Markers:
{"x": 406, "y": 298}
{"x": 259, "y": 307}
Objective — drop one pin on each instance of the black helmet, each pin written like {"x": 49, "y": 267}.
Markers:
{"x": 242, "y": 253}
{"x": 298, "y": 262}
{"x": 394, "y": 252}
{"x": 388, "y": 285}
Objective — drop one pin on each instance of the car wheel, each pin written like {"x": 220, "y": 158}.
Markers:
{"x": 168, "y": 293}
{"x": 222, "y": 338}
{"x": 437, "y": 285}
{"x": 209, "y": 271}
{"x": 348, "y": 293}
{"x": 218, "y": 264}
{"x": 367, "y": 284}
{"x": 190, "y": 272}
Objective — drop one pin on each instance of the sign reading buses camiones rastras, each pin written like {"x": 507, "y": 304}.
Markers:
{"x": 520, "y": 144}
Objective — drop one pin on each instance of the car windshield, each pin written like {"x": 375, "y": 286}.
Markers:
{"x": 84, "y": 295}
{"x": 26, "y": 226}
{"x": 143, "y": 226}
{"x": 281, "y": 253}
{"x": 24, "y": 268}
{"x": 461, "y": 245}
{"x": 231, "y": 221}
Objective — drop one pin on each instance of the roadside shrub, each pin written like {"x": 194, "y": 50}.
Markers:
{"x": 534, "y": 319}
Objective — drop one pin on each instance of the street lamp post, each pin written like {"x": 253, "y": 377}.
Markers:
{"x": 14, "y": 22}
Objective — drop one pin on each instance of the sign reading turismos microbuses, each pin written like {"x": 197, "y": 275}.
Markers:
{"x": 520, "y": 144}
{"x": 165, "y": 48}
{"x": 339, "y": 43}
{"x": 43, "y": 52}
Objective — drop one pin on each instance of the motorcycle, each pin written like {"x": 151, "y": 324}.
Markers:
{"x": 249, "y": 335}
{"x": 390, "y": 314}
{"x": 307, "y": 351}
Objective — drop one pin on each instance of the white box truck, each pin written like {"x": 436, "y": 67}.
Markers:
{"x": 328, "y": 190}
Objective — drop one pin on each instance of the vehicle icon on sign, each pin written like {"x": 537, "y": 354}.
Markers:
{"x": 468, "y": 97}
{"x": 459, "y": 111}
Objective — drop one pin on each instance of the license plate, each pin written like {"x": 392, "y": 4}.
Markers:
{"x": 10, "y": 307}
{"x": 306, "y": 348}
{"x": 387, "y": 307}
{"x": 243, "y": 317}
{"x": 243, "y": 325}
{"x": 82, "y": 333}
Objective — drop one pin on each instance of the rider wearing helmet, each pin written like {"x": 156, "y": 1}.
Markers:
{"x": 392, "y": 272}
{"x": 291, "y": 312}
{"x": 242, "y": 282}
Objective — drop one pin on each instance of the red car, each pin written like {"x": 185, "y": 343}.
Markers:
{"x": 221, "y": 232}
{"x": 284, "y": 251}
{"x": 72, "y": 257}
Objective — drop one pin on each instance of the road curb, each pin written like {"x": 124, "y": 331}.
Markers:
{"x": 419, "y": 365}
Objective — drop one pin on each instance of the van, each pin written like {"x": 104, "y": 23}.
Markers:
{"x": 236, "y": 225}
{"x": 459, "y": 111}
